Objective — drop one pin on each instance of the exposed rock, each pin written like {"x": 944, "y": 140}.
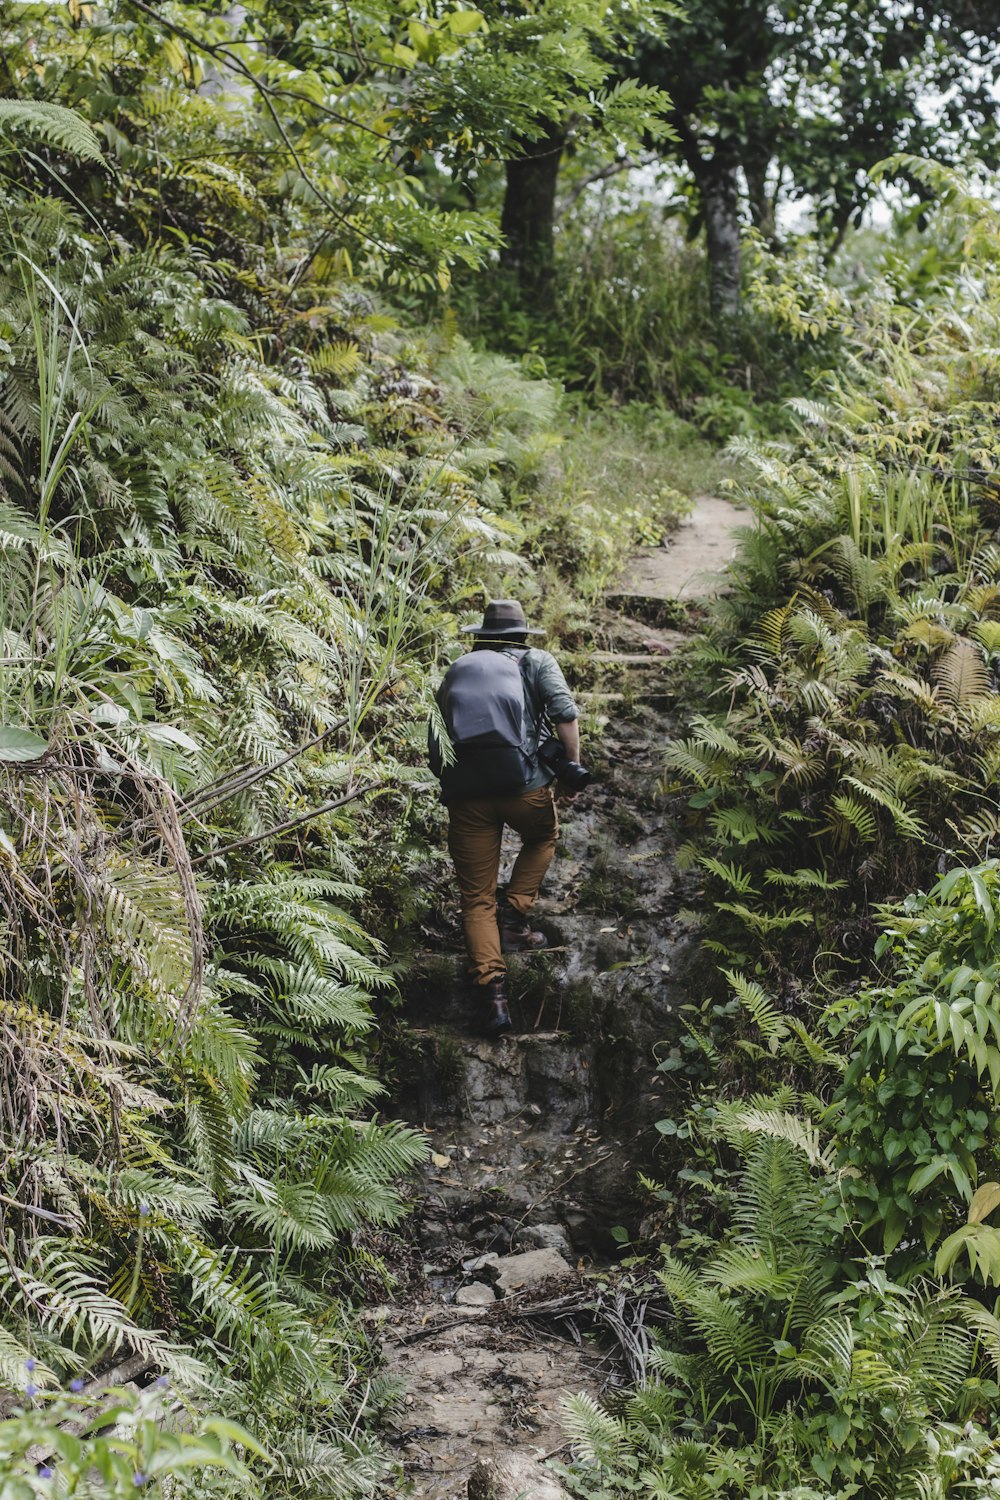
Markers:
{"x": 560, "y": 1078}
{"x": 510, "y": 1475}
{"x": 476, "y": 1294}
{"x": 544, "y": 1237}
{"x": 515, "y": 1272}
{"x": 438, "y": 1367}
{"x": 492, "y": 1087}
{"x": 489, "y": 1262}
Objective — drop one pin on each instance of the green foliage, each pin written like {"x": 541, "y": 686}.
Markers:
{"x": 777, "y": 1377}
{"x": 236, "y": 504}
{"x": 849, "y": 759}
{"x": 855, "y": 648}
{"x": 528, "y": 67}
{"x": 51, "y": 124}
{"x": 111, "y": 1444}
{"x": 805, "y": 100}
{"x": 916, "y": 1110}
{"x": 241, "y": 509}
{"x": 630, "y": 321}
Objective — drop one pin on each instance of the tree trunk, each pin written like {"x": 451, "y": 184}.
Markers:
{"x": 762, "y": 203}
{"x": 528, "y": 217}
{"x": 719, "y": 187}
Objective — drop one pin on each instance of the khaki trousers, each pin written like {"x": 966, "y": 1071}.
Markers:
{"x": 475, "y": 828}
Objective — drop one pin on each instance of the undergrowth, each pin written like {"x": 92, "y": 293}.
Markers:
{"x": 831, "y": 1165}
{"x": 242, "y": 517}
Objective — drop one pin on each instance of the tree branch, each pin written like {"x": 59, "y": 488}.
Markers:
{"x": 267, "y": 94}
{"x": 271, "y": 833}
{"x": 220, "y": 789}
{"x": 611, "y": 170}
{"x": 220, "y": 50}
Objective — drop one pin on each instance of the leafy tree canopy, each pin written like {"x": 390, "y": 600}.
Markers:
{"x": 793, "y": 101}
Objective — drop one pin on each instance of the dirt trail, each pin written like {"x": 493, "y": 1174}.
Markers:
{"x": 691, "y": 566}
{"x": 537, "y": 1138}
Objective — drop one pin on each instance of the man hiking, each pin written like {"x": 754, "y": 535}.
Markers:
{"x": 498, "y": 703}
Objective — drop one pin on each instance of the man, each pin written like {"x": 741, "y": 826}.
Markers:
{"x": 497, "y": 703}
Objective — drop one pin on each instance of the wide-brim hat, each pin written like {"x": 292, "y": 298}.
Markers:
{"x": 503, "y": 617}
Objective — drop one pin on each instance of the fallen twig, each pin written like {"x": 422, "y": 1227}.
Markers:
{"x": 270, "y": 833}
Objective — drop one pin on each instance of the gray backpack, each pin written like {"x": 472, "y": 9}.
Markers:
{"x": 482, "y": 704}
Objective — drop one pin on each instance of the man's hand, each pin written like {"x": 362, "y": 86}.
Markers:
{"x": 569, "y": 735}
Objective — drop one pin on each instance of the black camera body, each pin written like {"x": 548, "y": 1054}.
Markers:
{"x": 569, "y": 773}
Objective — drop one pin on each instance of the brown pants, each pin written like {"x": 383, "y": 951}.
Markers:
{"x": 475, "y": 829}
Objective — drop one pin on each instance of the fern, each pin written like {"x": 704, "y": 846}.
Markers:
{"x": 857, "y": 818}
{"x": 734, "y": 877}
{"x": 52, "y": 124}
{"x": 760, "y": 1008}
{"x": 960, "y": 674}
{"x": 739, "y": 825}
{"x": 801, "y": 1133}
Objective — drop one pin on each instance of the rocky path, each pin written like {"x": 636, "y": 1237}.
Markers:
{"x": 538, "y": 1138}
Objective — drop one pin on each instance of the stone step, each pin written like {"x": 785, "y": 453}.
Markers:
{"x": 631, "y": 658}
{"x": 652, "y": 609}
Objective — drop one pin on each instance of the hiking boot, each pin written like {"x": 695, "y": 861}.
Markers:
{"x": 496, "y": 1019}
{"x": 516, "y": 932}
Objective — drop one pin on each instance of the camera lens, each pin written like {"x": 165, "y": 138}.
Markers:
{"x": 574, "y": 776}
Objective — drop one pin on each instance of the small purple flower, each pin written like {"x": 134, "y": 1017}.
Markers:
{"x": 143, "y": 1210}
{"x": 46, "y": 1471}
{"x": 139, "y": 1477}
{"x": 30, "y": 1364}
{"x": 30, "y": 1390}
{"x": 76, "y": 1386}
{"x": 162, "y": 1382}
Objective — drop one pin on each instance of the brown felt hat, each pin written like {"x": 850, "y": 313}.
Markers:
{"x": 503, "y": 617}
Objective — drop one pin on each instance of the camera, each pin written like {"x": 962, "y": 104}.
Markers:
{"x": 569, "y": 773}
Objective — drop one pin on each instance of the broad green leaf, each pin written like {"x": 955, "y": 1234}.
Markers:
{"x": 984, "y": 1200}
{"x": 960, "y": 1178}
{"x": 926, "y": 1174}
{"x": 421, "y": 40}
{"x": 466, "y": 22}
{"x": 893, "y": 1229}
{"x": 222, "y": 1427}
{"x": 950, "y": 1250}
{"x": 983, "y": 900}
{"x": 171, "y": 735}
{"x": 20, "y": 745}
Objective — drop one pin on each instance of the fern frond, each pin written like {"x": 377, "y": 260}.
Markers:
{"x": 801, "y": 1133}
{"x": 732, "y": 876}
{"x": 52, "y": 124}
{"x": 960, "y": 674}
{"x": 856, "y": 817}
{"x": 906, "y": 822}
{"x": 759, "y": 1006}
